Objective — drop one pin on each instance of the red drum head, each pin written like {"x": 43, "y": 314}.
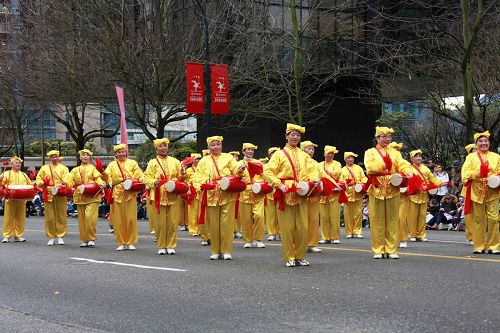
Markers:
{"x": 232, "y": 184}
{"x": 177, "y": 187}
{"x": 262, "y": 188}
{"x": 133, "y": 185}
{"x": 494, "y": 181}
{"x": 20, "y": 192}
{"x": 89, "y": 189}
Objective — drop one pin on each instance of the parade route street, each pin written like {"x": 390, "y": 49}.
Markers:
{"x": 437, "y": 286}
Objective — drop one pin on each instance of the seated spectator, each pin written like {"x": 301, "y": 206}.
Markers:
{"x": 366, "y": 214}
{"x": 458, "y": 221}
{"x": 456, "y": 179}
{"x": 447, "y": 212}
{"x": 432, "y": 214}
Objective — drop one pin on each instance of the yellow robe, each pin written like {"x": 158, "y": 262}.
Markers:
{"x": 194, "y": 208}
{"x": 14, "y": 218}
{"x": 329, "y": 206}
{"x": 353, "y": 210}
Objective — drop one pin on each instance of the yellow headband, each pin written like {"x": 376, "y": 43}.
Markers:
{"x": 196, "y": 155}
{"x": 479, "y": 135}
{"x": 158, "y": 142}
{"x": 248, "y": 145}
{"x": 415, "y": 152}
{"x": 305, "y": 144}
{"x": 272, "y": 150}
{"x": 83, "y": 151}
{"x": 234, "y": 153}
{"x": 16, "y": 158}
{"x": 330, "y": 149}
{"x": 383, "y": 130}
{"x": 293, "y": 127}
{"x": 348, "y": 154}
{"x": 469, "y": 147}
{"x": 53, "y": 152}
{"x": 120, "y": 147}
{"x": 396, "y": 145}
{"x": 205, "y": 152}
{"x": 211, "y": 139}
{"x": 264, "y": 160}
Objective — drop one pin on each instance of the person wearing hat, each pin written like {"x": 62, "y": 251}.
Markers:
{"x": 270, "y": 207}
{"x": 381, "y": 162}
{"x": 14, "y": 218}
{"x": 284, "y": 171}
{"x": 329, "y": 208}
{"x": 481, "y": 201}
{"x": 205, "y": 152}
{"x": 237, "y": 222}
{"x": 193, "y": 203}
{"x": 124, "y": 205}
{"x": 312, "y": 204}
{"x": 251, "y": 205}
{"x": 217, "y": 206}
{"x": 159, "y": 171}
{"x": 87, "y": 204}
{"x": 235, "y": 154}
{"x": 56, "y": 219}
{"x": 419, "y": 200}
{"x": 353, "y": 174}
{"x": 470, "y": 148}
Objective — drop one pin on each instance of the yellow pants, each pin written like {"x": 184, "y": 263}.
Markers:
{"x": 221, "y": 224}
{"x": 56, "y": 218}
{"x": 384, "y": 215}
{"x": 204, "y": 229}
{"x": 193, "y": 214}
{"x": 403, "y": 219}
{"x": 312, "y": 223}
{"x": 485, "y": 216}
{"x": 252, "y": 221}
{"x": 166, "y": 226}
{"x": 416, "y": 219}
{"x": 353, "y": 217}
{"x": 183, "y": 217}
{"x": 329, "y": 216}
{"x": 151, "y": 210}
{"x": 14, "y": 218}
{"x": 468, "y": 227}
{"x": 271, "y": 219}
{"x": 87, "y": 221}
{"x": 125, "y": 222}
{"x": 237, "y": 225}
{"x": 293, "y": 230}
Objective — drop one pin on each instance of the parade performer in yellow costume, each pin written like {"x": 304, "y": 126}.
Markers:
{"x": 419, "y": 200}
{"x": 87, "y": 204}
{"x": 159, "y": 171}
{"x": 194, "y": 200}
{"x": 286, "y": 168}
{"x": 55, "y": 207}
{"x": 14, "y": 218}
{"x": 353, "y": 174}
{"x": 329, "y": 207}
{"x": 251, "y": 205}
{"x": 381, "y": 162}
{"x": 470, "y": 148}
{"x": 270, "y": 208}
{"x": 480, "y": 200}
{"x": 124, "y": 206}
{"x": 237, "y": 222}
{"x": 217, "y": 206}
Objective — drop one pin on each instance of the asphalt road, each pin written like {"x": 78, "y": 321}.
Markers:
{"x": 435, "y": 287}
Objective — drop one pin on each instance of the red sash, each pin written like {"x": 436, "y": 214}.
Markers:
{"x": 279, "y": 195}
{"x": 204, "y": 195}
{"x": 163, "y": 179}
{"x": 484, "y": 169}
{"x": 386, "y": 158}
{"x": 342, "y": 195}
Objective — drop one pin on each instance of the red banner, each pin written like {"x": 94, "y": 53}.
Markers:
{"x": 195, "y": 88}
{"x": 220, "y": 89}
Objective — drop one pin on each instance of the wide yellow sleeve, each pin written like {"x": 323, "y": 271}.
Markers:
{"x": 71, "y": 177}
{"x": 271, "y": 170}
{"x": 431, "y": 178}
{"x": 469, "y": 168}
{"x": 98, "y": 177}
{"x": 41, "y": 175}
{"x": 175, "y": 169}
{"x": 402, "y": 165}
{"x": 312, "y": 168}
{"x": 202, "y": 173}
{"x": 134, "y": 169}
{"x": 150, "y": 175}
{"x": 373, "y": 163}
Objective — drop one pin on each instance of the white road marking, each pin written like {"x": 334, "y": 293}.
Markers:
{"x": 130, "y": 265}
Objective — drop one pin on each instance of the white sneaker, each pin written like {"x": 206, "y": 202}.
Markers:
{"x": 423, "y": 239}
{"x": 214, "y": 257}
{"x": 111, "y": 230}
{"x": 120, "y": 248}
{"x": 51, "y": 242}
{"x": 403, "y": 245}
{"x": 470, "y": 243}
{"x": 324, "y": 241}
{"x": 60, "y": 241}
{"x": 248, "y": 245}
{"x": 170, "y": 251}
{"x": 227, "y": 256}
{"x": 493, "y": 251}
{"x": 84, "y": 244}
{"x": 302, "y": 262}
{"x": 260, "y": 244}
{"x": 130, "y": 247}
{"x": 19, "y": 239}
{"x": 377, "y": 256}
{"x": 162, "y": 251}
{"x": 91, "y": 243}
{"x": 152, "y": 232}
{"x": 393, "y": 256}
{"x": 204, "y": 243}
{"x": 358, "y": 236}
{"x": 238, "y": 235}
{"x": 336, "y": 241}
{"x": 314, "y": 249}
{"x": 348, "y": 236}
{"x": 5, "y": 240}
{"x": 290, "y": 264}
{"x": 278, "y": 237}
{"x": 271, "y": 238}
{"x": 413, "y": 239}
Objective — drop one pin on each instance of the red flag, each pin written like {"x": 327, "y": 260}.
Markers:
{"x": 123, "y": 122}
{"x": 187, "y": 161}
{"x": 220, "y": 89}
{"x": 195, "y": 88}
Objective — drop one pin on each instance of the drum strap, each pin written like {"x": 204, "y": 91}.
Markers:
{"x": 419, "y": 172}
{"x": 484, "y": 168}
{"x": 121, "y": 170}
{"x": 386, "y": 158}
{"x": 216, "y": 166}
{"x": 162, "y": 169}
{"x": 291, "y": 164}
{"x": 352, "y": 173}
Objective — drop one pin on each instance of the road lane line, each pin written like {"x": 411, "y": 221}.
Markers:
{"x": 129, "y": 265}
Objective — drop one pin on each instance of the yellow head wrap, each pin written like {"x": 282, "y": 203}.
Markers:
{"x": 211, "y": 139}
{"x": 205, "y": 152}
{"x": 16, "y": 158}
{"x": 248, "y": 145}
{"x": 234, "y": 153}
{"x": 272, "y": 150}
{"x": 158, "y": 142}
{"x": 81, "y": 152}
{"x": 293, "y": 127}
{"x": 53, "y": 152}
{"x": 478, "y": 135}
{"x": 415, "y": 152}
{"x": 383, "y": 130}
{"x": 264, "y": 160}
{"x": 469, "y": 147}
{"x": 396, "y": 145}
{"x": 348, "y": 154}
{"x": 119, "y": 147}
{"x": 305, "y": 144}
{"x": 330, "y": 149}
{"x": 196, "y": 155}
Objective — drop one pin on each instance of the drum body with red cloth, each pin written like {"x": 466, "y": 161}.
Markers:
{"x": 232, "y": 184}
{"x": 398, "y": 180}
{"x": 62, "y": 191}
{"x": 133, "y": 185}
{"x": 20, "y": 192}
{"x": 307, "y": 188}
{"x": 494, "y": 181}
{"x": 2, "y": 192}
{"x": 89, "y": 189}
{"x": 177, "y": 187}
{"x": 262, "y": 188}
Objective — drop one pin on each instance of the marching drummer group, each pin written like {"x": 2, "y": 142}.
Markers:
{"x": 289, "y": 193}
